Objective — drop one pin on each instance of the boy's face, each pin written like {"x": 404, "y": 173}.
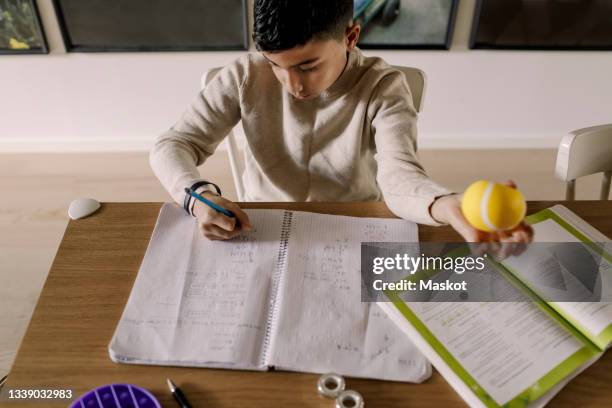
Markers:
{"x": 308, "y": 70}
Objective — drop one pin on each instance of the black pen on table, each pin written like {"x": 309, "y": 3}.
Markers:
{"x": 178, "y": 394}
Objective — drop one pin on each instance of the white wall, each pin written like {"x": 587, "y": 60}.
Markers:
{"x": 121, "y": 101}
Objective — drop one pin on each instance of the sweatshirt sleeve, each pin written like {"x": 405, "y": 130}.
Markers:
{"x": 213, "y": 113}
{"x": 407, "y": 189}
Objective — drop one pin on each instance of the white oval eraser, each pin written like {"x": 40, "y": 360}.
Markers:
{"x": 82, "y": 207}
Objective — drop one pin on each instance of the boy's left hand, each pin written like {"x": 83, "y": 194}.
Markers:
{"x": 447, "y": 209}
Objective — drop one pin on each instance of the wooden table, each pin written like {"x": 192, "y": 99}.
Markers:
{"x": 65, "y": 345}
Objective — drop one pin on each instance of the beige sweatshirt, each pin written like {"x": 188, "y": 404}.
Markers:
{"x": 354, "y": 142}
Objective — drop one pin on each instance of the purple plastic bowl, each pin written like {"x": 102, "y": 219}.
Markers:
{"x": 117, "y": 396}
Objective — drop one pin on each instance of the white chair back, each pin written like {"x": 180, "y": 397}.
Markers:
{"x": 584, "y": 152}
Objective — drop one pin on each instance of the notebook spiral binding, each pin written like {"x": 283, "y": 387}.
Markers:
{"x": 280, "y": 266}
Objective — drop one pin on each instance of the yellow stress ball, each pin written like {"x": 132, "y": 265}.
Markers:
{"x": 490, "y": 206}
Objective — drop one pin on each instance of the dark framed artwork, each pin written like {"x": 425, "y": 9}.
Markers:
{"x": 542, "y": 25}
{"x": 406, "y": 24}
{"x": 152, "y": 25}
{"x": 21, "y": 31}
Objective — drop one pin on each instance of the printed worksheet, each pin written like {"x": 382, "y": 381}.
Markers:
{"x": 573, "y": 276}
{"x": 507, "y": 347}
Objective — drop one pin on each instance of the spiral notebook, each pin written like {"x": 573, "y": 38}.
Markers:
{"x": 284, "y": 295}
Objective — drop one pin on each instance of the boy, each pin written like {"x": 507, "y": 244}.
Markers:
{"x": 322, "y": 123}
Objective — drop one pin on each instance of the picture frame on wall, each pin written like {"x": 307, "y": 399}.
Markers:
{"x": 142, "y": 25}
{"x": 405, "y": 24}
{"x": 21, "y": 30}
{"x": 542, "y": 25}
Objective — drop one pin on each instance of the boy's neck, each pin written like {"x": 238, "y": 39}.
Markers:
{"x": 336, "y": 85}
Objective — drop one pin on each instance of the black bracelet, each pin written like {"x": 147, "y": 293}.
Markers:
{"x": 194, "y": 187}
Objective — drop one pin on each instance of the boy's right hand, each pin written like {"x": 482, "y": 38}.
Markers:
{"x": 216, "y": 226}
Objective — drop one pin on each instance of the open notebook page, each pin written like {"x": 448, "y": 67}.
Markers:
{"x": 322, "y": 324}
{"x": 197, "y": 302}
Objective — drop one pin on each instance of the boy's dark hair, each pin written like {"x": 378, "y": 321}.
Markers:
{"x": 283, "y": 24}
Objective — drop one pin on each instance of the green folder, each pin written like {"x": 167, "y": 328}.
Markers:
{"x": 514, "y": 354}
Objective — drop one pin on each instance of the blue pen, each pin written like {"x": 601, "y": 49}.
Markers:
{"x": 209, "y": 203}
